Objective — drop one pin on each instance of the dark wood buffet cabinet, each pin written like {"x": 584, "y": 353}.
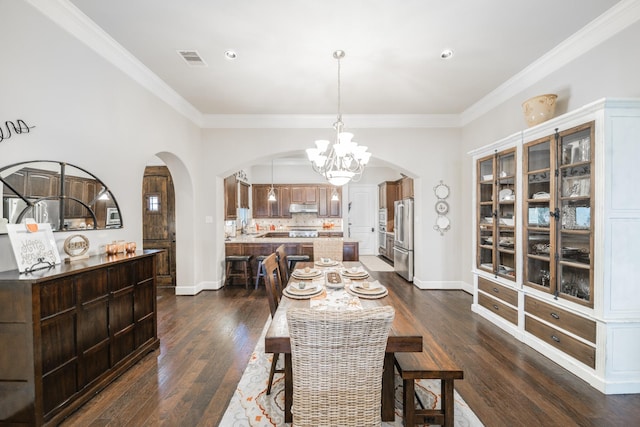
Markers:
{"x": 68, "y": 331}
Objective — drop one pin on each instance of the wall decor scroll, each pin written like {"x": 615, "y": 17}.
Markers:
{"x": 18, "y": 127}
{"x": 442, "y": 208}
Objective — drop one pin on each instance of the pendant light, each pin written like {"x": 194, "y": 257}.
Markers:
{"x": 271, "y": 196}
{"x": 343, "y": 160}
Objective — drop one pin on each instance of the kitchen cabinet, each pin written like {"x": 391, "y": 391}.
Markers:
{"x": 576, "y": 224}
{"x": 81, "y": 189}
{"x": 244, "y": 195}
{"x": 387, "y": 195}
{"x": 405, "y": 188}
{"x": 34, "y": 183}
{"x": 71, "y": 331}
{"x": 304, "y": 194}
{"x": 286, "y": 194}
{"x": 230, "y": 198}
{"x": 263, "y": 208}
{"x": 236, "y": 195}
{"x": 328, "y": 208}
{"x": 495, "y": 213}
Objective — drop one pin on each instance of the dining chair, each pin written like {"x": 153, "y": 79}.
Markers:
{"x": 274, "y": 287}
{"x": 337, "y": 360}
{"x": 327, "y": 248}
{"x": 283, "y": 263}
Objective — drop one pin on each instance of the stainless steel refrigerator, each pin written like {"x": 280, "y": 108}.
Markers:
{"x": 403, "y": 238}
{"x": 44, "y": 211}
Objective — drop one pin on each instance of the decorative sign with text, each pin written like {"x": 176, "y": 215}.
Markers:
{"x": 11, "y": 128}
{"x": 33, "y": 249}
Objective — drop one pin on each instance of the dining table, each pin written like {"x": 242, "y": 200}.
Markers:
{"x": 403, "y": 335}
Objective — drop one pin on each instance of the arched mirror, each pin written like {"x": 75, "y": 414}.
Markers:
{"x": 61, "y": 194}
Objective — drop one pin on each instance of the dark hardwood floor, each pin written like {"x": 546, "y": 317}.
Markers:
{"x": 207, "y": 339}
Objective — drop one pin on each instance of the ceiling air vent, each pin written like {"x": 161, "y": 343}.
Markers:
{"x": 192, "y": 57}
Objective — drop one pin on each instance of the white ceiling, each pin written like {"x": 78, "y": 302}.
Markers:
{"x": 392, "y": 64}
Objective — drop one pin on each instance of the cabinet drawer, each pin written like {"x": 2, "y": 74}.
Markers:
{"x": 563, "y": 342}
{"x": 563, "y": 319}
{"x": 499, "y": 308}
{"x": 508, "y": 295}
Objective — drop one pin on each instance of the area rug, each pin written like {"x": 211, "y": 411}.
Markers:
{"x": 250, "y": 405}
{"x": 373, "y": 263}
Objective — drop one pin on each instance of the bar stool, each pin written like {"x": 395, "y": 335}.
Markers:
{"x": 244, "y": 272}
{"x": 261, "y": 270}
{"x": 293, "y": 259}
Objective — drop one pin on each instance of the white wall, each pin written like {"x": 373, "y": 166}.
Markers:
{"x": 90, "y": 114}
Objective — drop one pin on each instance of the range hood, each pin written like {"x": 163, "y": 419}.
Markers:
{"x": 303, "y": 208}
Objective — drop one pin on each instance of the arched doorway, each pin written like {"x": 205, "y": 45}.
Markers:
{"x": 159, "y": 221}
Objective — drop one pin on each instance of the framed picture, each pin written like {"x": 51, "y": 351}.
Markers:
{"x": 34, "y": 248}
{"x": 539, "y": 216}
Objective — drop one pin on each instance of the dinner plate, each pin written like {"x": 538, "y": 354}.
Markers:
{"x": 355, "y": 274}
{"x": 301, "y": 274}
{"x": 293, "y": 294}
{"x": 373, "y": 289}
{"x": 309, "y": 288}
{"x": 380, "y": 292}
{"x": 326, "y": 264}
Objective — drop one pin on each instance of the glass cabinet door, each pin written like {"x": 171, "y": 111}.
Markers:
{"x": 537, "y": 185}
{"x": 496, "y": 214}
{"x": 485, "y": 217}
{"x": 575, "y": 236}
{"x": 505, "y": 197}
{"x": 558, "y": 226}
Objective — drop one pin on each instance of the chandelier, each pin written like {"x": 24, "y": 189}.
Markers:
{"x": 343, "y": 160}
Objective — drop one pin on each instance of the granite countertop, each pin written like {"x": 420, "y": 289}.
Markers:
{"x": 260, "y": 238}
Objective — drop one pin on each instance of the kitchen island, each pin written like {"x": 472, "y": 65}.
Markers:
{"x": 266, "y": 243}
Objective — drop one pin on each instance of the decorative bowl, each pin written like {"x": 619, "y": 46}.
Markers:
{"x": 539, "y": 109}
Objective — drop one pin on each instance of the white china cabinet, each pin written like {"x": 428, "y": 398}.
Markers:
{"x": 556, "y": 241}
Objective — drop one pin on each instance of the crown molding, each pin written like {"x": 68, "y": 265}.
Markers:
{"x": 322, "y": 121}
{"x": 68, "y": 17}
{"x": 610, "y": 23}
{"x": 71, "y": 19}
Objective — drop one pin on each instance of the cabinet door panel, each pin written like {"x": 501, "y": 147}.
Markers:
{"x": 59, "y": 386}
{"x": 58, "y": 340}
{"x": 57, "y": 296}
{"x": 91, "y": 285}
{"x": 121, "y": 310}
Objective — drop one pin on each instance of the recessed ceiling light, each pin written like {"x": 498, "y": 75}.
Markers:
{"x": 230, "y": 54}
{"x": 446, "y": 54}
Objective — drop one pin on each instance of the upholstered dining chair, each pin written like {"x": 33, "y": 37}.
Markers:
{"x": 283, "y": 264}
{"x": 337, "y": 363}
{"x": 327, "y": 248}
{"x": 274, "y": 287}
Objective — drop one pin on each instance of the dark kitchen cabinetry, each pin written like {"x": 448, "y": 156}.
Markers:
{"x": 287, "y": 194}
{"x": 387, "y": 195}
{"x": 304, "y": 194}
{"x": 78, "y": 189}
{"x": 263, "y": 208}
{"x": 71, "y": 331}
{"x": 405, "y": 188}
{"x": 236, "y": 195}
{"x": 328, "y": 208}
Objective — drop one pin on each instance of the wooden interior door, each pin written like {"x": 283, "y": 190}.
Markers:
{"x": 159, "y": 221}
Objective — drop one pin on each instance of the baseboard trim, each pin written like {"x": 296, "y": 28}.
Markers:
{"x": 443, "y": 285}
{"x": 196, "y": 289}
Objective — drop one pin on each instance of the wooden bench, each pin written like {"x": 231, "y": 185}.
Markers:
{"x": 431, "y": 363}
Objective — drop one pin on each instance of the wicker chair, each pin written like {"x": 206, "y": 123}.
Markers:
{"x": 274, "y": 293}
{"x": 327, "y": 248}
{"x": 283, "y": 264}
{"x": 337, "y": 362}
